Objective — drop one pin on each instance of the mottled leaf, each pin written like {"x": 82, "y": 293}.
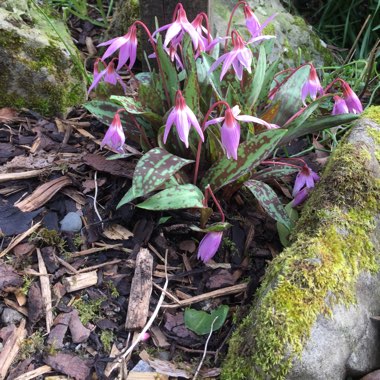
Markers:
{"x": 214, "y": 76}
{"x": 274, "y": 172}
{"x": 289, "y": 96}
{"x": 174, "y": 198}
{"x": 136, "y": 108}
{"x": 170, "y": 72}
{"x": 105, "y": 111}
{"x": 269, "y": 201}
{"x": 258, "y": 79}
{"x": 153, "y": 170}
{"x": 283, "y": 231}
{"x": 201, "y": 322}
{"x": 250, "y": 153}
{"x": 191, "y": 88}
{"x": 144, "y": 77}
{"x": 317, "y": 125}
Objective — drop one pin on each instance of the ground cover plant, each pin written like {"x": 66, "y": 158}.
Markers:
{"x": 241, "y": 109}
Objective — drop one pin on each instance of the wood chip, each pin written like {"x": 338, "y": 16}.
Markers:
{"x": 11, "y": 348}
{"x": 58, "y": 332}
{"x": 4, "y": 177}
{"x": 14, "y": 305}
{"x": 10, "y": 281}
{"x": 159, "y": 339}
{"x": 141, "y": 289}
{"x": 79, "y": 333}
{"x": 36, "y": 372}
{"x": 43, "y": 193}
{"x": 70, "y": 365}
{"x": 114, "y": 352}
{"x": 80, "y": 281}
{"x": 45, "y": 291}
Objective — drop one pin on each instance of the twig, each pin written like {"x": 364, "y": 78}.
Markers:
{"x": 96, "y": 196}
{"x": 205, "y": 349}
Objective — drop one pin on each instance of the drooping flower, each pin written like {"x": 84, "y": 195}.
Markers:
{"x": 230, "y": 132}
{"x": 312, "y": 86}
{"x": 253, "y": 25}
{"x": 209, "y": 246}
{"x": 114, "y": 136}
{"x": 340, "y": 106}
{"x": 176, "y": 30}
{"x": 183, "y": 118}
{"x": 127, "y": 45}
{"x": 109, "y": 74}
{"x": 300, "y": 197}
{"x": 352, "y": 101}
{"x": 305, "y": 178}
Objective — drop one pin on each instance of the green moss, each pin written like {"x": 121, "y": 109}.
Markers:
{"x": 89, "y": 310}
{"x": 107, "y": 337}
{"x": 372, "y": 113}
{"x": 31, "y": 346}
{"x": 319, "y": 270}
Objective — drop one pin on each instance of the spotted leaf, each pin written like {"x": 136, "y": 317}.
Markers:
{"x": 153, "y": 170}
{"x": 174, "y": 198}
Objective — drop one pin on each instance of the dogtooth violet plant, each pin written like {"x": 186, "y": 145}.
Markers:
{"x": 207, "y": 123}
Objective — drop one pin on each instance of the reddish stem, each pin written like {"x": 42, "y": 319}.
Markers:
{"x": 237, "y": 5}
{"x": 268, "y": 162}
{"x": 205, "y": 17}
{"x": 217, "y": 204}
{"x": 199, "y": 149}
{"x": 142, "y": 131}
{"x": 152, "y": 42}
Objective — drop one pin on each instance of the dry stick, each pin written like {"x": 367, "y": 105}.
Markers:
{"x": 21, "y": 175}
{"x": 149, "y": 323}
{"x": 20, "y": 238}
{"x": 34, "y": 373}
{"x": 45, "y": 290}
{"x": 96, "y": 196}
{"x": 205, "y": 349}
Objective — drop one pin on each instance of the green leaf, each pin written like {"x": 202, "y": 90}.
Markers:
{"x": 174, "y": 198}
{"x": 200, "y": 322}
{"x": 258, "y": 79}
{"x": 136, "y": 108}
{"x": 274, "y": 172}
{"x": 215, "y": 227}
{"x": 283, "y": 231}
{"x": 317, "y": 125}
{"x": 170, "y": 72}
{"x": 118, "y": 156}
{"x": 152, "y": 170}
{"x": 144, "y": 77}
{"x": 250, "y": 153}
{"x": 214, "y": 76}
{"x": 289, "y": 97}
{"x": 191, "y": 88}
{"x": 269, "y": 201}
{"x": 105, "y": 111}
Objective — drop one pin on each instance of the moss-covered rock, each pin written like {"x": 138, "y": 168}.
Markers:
{"x": 39, "y": 64}
{"x": 295, "y": 43}
{"x": 311, "y": 316}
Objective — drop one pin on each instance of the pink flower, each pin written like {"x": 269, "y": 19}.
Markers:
{"x": 305, "y": 178}
{"x": 183, "y": 118}
{"x": 114, "y": 137}
{"x": 352, "y": 101}
{"x": 209, "y": 246}
{"x": 300, "y": 197}
{"x": 340, "y": 106}
{"x": 127, "y": 45}
{"x": 312, "y": 87}
{"x": 109, "y": 74}
{"x": 230, "y": 131}
{"x": 178, "y": 27}
{"x": 253, "y": 25}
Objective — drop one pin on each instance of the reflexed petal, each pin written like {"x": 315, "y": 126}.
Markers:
{"x": 172, "y": 116}
{"x": 110, "y": 77}
{"x": 97, "y": 79}
{"x": 194, "y": 122}
{"x": 299, "y": 183}
{"x": 214, "y": 121}
{"x": 259, "y": 39}
{"x": 238, "y": 69}
{"x": 218, "y": 62}
{"x": 309, "y": 181}
{"x": 300, "y": 197}
{"x": 245, "y": 58}
{"x": 183, "y": 127}
{"x": 235, "y": 110}
{"x": 120, "y": 80}
{"x": 114, "y": 46}
{"x": 231, "y": 56}
{"x": 109, "y": 42}
{"x": 194, "y": 35}
{"x": 340, "y": 106}
{"x": 230, "y": 139}
{"x": 173, "y": 30}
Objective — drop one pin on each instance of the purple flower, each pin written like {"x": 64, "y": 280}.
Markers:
{"x": 352, "y": 101}
{"x": 109, "y": 74}
{"x": 312, "y": 87}
{"x": 127, "y": 45}
{"x": 305, "y": 178}
{"x": 230, "y": 131}
{"x": 209, "y": 246}
{"x": 300, "y": 197}
{"x": 114, "y": 137}
{"x": 340, "y": 106}
{"x": 253, "y": 25}
{"x": 183, "y": 118}
{"x": 178, "y": 27}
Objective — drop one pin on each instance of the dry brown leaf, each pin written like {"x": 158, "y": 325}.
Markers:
{"x": 117, "y": 232}
{"x": 7, "y": 114}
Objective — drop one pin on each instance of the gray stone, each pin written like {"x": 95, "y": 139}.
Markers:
{"x": 37, "y": 69}
{"x": 10, "y": 316}
{"x": 295, "y": 40}
{"x": 72, "y": 222}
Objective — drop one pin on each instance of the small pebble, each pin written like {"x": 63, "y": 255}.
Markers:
{"x": 10, "y": 316}
{"x": 142, "y": 366}
{"x": 71, "y": 222}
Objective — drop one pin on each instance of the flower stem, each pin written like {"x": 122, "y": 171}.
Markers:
{"x": 142, "y": 131}
{"x": 237, "y": 5}
{"x": 217, "y": 204}
{"x": 203, "y": 126}
{"x": 152, "y": 42}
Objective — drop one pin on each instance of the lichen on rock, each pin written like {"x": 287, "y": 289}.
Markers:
{"x": 313, "y": 286}
{"x": 37, "y": 68}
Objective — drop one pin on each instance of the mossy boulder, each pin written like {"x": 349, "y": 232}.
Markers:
{"x": 311, "y": 318}
{"x": 39, "y": 64}
{"x": 296, "y": 42}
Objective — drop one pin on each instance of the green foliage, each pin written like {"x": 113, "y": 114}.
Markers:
{"x": 49, "y": 238}
{"x": 200, "y": 322}
{"x": 107, "y": 337}
{"x": 89, "y": 310}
